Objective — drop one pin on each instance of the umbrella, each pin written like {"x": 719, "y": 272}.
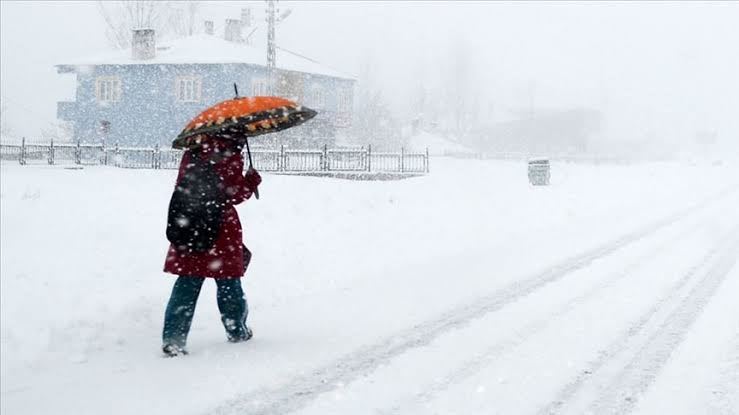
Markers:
{"x": 243, "y": 117}
{"x": 240, "y": 118}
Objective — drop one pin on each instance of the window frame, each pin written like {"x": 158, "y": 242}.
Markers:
{"x": 344, "y": 102}
{"x": 108, "y": 89}
{"x": 317, "y": 97}
{"x": 188, "y": 89}
{"x": 258, "y": 87}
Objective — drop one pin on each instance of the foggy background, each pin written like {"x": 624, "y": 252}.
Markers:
{"x": 656, "y": 77}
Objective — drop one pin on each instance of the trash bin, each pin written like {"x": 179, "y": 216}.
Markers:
{"x": 539, "y": 171}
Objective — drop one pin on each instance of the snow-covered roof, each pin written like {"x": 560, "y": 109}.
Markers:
{"x": 202, "y": 49}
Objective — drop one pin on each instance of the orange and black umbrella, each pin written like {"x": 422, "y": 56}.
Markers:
{"x": 240, "y": 118}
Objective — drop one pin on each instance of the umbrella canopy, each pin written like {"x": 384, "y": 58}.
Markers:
{"x": 240, "y": 118}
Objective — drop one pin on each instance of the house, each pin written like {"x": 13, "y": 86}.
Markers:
{"x": 144, "y": 96}
{"x": 549, "y": 132}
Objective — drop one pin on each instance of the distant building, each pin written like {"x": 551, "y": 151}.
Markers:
{"x": 146, "y": 95}
{"x": 549, "y": 132}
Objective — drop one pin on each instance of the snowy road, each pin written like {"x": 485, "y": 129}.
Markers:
{"x": 467, "y": 291}
{"x": 591, "y": 334}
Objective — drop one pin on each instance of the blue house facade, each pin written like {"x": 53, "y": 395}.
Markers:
{"x": 145, "y": 96}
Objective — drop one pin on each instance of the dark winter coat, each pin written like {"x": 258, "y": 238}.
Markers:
{"x": 226, "y": 258}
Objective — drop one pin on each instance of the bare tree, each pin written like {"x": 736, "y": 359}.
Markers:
{"x": 182, "y": 18}
{"x": 374, "y": 123}
{"x": 176, "y": 18}
{"x": 460, "y": 92}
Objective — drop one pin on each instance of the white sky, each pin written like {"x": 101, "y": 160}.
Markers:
{"x": 660, "y": 69}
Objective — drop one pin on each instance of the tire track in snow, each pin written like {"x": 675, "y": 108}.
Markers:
{"x": 621, "y": 395}
{"x": 726, "y": 391}
{"x": 482, "y": 359}
{"x": 301, "y": 390}
{"x": 641, "y": 372}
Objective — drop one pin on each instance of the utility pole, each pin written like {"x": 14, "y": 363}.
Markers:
{"x": 271, "y": 46}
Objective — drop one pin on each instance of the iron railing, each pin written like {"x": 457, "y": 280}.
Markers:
{"x": 280, "y": 160}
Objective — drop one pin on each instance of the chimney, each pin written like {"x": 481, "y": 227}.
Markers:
{"x": 143, "y": 44}
{"x": 208, "y": 27}
{"x": 233, "y": 30}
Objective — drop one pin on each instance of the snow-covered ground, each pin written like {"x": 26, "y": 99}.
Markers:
{"x": 466, "y": 291}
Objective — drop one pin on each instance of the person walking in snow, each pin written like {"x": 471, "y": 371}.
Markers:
{"x": 206, "y": 239}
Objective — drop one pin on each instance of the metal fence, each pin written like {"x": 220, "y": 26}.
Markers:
{"x": 348, "y": 160}
{"x": 277, "y": 160}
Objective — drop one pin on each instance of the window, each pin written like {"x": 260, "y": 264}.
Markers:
{"x": 317, "y": 97}
{"x": 188, "y": 88}
{"x": 344, "y": 101}
{"x": 258, "y": 87}
{"x": 108, "y": 89}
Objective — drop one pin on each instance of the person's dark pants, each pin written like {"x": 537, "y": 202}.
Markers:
{"x": 181, "y": 308}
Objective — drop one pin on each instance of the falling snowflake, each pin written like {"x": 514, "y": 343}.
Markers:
{"x": 215, "y": 265}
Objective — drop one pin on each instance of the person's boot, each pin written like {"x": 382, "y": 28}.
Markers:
{"x": 248, "y": 334}
{"x": 172, "y": 350}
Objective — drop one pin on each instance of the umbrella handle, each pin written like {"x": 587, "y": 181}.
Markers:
{"x": 251, "y": 165}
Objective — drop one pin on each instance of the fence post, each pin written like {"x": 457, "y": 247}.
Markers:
{"x": 51, "y": 152}
{"x": 363, "y": 155}
{"x": 325, "y": 158}
{"x": 116, "y": 158}
{"x": 281, "y": 159}
{"x": 22, "y": 157}
{"x": 402, "y": 159}
{"x": 427, "y": 159}
{"x": 78, "y": 154}
{"x": 105, "y": 154}
{"x": 154, "y": 157}
{"x": 369, "y": 157}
